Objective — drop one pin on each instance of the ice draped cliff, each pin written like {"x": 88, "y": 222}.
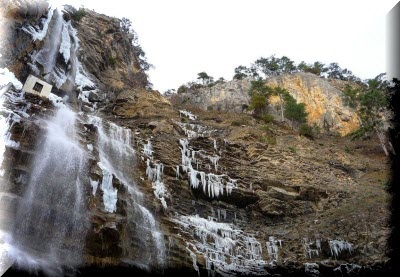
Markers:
{"x": 107, "y": 174}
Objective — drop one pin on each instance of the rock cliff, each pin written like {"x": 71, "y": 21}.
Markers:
{"x": 322, "y": 99}
{"x": 120, "y": 177}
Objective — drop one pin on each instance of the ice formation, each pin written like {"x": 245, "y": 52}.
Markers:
{"x": 36, "y": 32}
{"x": 272, "y": 248}
{"x": 6, "y": 76}
{"x": 311, "y": 269}
{"x": 148, "y": 149}
{"x": 109, "y": 192}
{"x": 61, "y": 39}
{"x": 311, "y": 247}
{"x": 192, "y": 130}
{"x": 212, "y": 184}
{"x": 348, "y": 269}
{"x": 94, "y": 185}
{"x": 113, "y": 144}
{"x": 337, "y": 246}
{"x": 225, "y": 249}
{"x": 187, "y": 114}
{"x": 117, "y": 156}
{"x": 8, "y": 118}
{"x": 155, "y": 174}
{"x": 65, "y": 47}
{"x": 193, "y": 257}
{"x": 57, "y": 101}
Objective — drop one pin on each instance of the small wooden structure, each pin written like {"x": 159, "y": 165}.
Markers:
{"x": 37, "y": 86}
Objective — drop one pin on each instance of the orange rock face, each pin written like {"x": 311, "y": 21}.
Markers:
{"x": 323, "y": 101}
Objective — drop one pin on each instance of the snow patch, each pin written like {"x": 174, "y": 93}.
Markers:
{"x": 6, "y": 76}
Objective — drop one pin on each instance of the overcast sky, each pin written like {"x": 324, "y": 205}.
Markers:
{"x": 183, "y": 37}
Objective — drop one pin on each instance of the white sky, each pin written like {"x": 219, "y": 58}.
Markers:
{"x": 184, "y": 37}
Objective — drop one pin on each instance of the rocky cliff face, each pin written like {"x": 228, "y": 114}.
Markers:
{"x": 103, "y": 53}
{"x": 323, "y": 100}
{"x": 228, "y": 96}
{"x": 139, "y": 183}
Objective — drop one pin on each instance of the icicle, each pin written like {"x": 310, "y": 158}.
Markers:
{"x": 224, "y": 247}
{"x": 193, "y": 256}
{"x": 187, "y": 114}
{"x": 148, "y": 149}
{"x": 337, "y": 246}
{"x": 65, "y": 47}
{"x": 94, "y": 185}
{"x": 39, "y": 35}
{"x": 109, "y": 192}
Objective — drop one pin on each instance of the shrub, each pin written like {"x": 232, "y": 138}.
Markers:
{"x": 78, "y": 15}
{"x": 306, "y": 131}
{"x": 347, "y": 149}
{"x": 316, "y": 129}
{"x": 294, "y": 111}
{"x": 268, "y": 140}
{"x": 266, "y": 128}
{"x": 182, "y": 89}
{"x": 267, "y": 118}
{"x": 239, "y": 122}
{"x": 292, "y": 149}
{"x": 112, "y": 62}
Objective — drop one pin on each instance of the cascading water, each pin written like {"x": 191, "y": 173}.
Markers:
{"x": 118, "y": 158}
{"x": 51, "y": 221}
{"x": 58, "y": 59}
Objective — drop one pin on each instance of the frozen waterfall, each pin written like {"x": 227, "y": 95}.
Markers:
{"x": 118, "y": 160}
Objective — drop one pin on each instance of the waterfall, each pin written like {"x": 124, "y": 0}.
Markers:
{"x": 47, "y": 56}
{"x": 51, "y": 222}
{"x": 118, "y": 158}
{"x": 58, "y": 59}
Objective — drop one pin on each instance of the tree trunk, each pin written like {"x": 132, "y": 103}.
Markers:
{"x": 280, "y": 98}
{"x": 382, "y": 140}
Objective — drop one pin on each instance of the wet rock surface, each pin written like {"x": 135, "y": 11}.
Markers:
{"x": 175, "y": 188}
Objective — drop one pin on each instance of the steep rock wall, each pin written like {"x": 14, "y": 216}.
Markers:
{"x": 323, "y": 101}
{"x": 171, "y": 189}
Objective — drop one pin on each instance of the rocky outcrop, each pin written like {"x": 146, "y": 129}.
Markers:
{"x": 323, "y": 100}
{"x": 227, "y": 96}
{"x": 324, "y": 103}
{"x": 105, "y": 50}
{"x": 199, "y": 190}
{"x": 15, "y": 44}
{"x": 108, "y": 53}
